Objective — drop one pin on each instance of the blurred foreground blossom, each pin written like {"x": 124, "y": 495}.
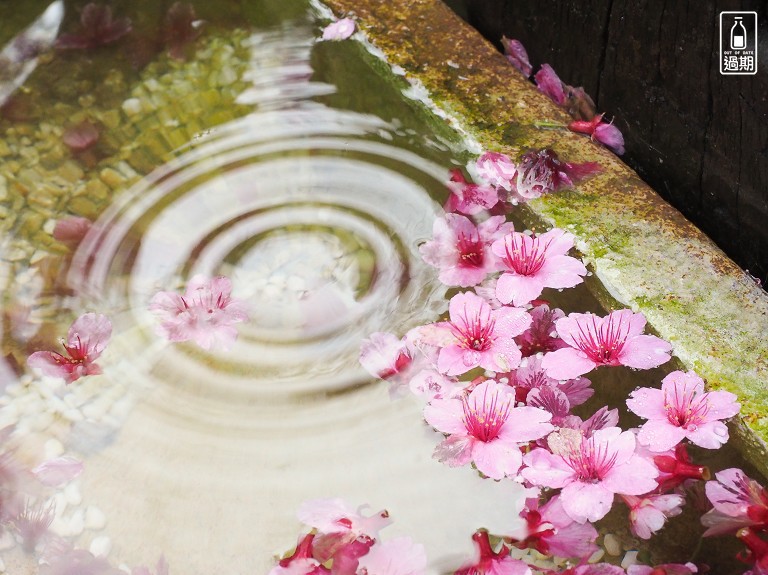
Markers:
{"x": 205, "y": 313}
{"x": 86, "y": 341}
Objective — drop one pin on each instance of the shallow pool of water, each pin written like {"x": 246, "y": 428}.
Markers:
{"x": 296, "y": 168}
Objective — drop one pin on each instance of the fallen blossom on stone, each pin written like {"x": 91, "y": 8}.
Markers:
{"x": 497, "y": 169}
{"x": 339, "y": 30}
{"x": 541, "y": 171}
{"x": 549, "y": 83}
{"x": 615, "y": 339}
{"x": 590, "y": 471}
{"x": 681, "y": 409}
{"x": 605, "y": 133}
{"x": 461, "y": 250}
{"x": 468, "y": 198}
{"x": 531, "y": 263}
{"x": 205, "y": 313}
{"x": 86, "y": 340}
{"x": 486, "y": 429}
{"x": 517, "y": 55}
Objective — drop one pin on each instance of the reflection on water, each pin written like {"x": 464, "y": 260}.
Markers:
{"x": 315, "y": 214}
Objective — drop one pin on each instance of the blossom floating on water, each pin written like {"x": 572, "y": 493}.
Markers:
{"x": 615, "y": 339}
{"x": 86, "y": 340}
{"x": 647, "y": 514}
{"x": 590, "y": 470}
{"x": 492, "y": 562}
{"x": 339, "y": 30}
{"x": 205, "y": 313}
{"x": 478, "y": 336}
{"x": 97, "y": 28}
{"x": 468, "y": 198}
{"x": 531, "y": 263}
{"x": 738, "y": 500}
{"x": 605, "y": 133}
{"x": 517, "y": 55}
{"x": 461, "y": 250}
{"x": 681, "y": 409}
{"x": 485, "y": 428}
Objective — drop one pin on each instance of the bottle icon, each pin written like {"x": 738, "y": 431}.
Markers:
{"x": 738, "y": 35}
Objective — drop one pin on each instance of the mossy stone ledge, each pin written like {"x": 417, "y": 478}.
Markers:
{"x": 644, "y": 253}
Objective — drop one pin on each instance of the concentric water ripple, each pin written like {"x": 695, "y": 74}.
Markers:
{"x": 316, "y": 215}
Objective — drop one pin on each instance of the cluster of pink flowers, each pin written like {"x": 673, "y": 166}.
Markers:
{"x": 574, "y": 100}
{"x": 344, "y": 541}
{"x": 501, "y": 374}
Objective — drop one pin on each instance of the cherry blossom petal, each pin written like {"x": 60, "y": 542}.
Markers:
{"x": 545, "y": 469}
{"x": 647, "y": 402}
{"x": 645, "y": 352}
{"x": 562, "y": 271}
{"x": 586, "y": 501}
{"x": 710, "y": 435}
{"x": 658, "y": 435}
{"x": 527, "y": 424}
{"x": 398, "y": 556}
{"x": 58, "y": 471}
{"x": 518, "y": 289}
{"x": 445, "y": 415}
{"x": 497, "y": 459}
{"x": 567, "y": 363}
{"x": 636, "y": 477}
{"x": 550, "y": 84}
{"x": 339, "y": 30}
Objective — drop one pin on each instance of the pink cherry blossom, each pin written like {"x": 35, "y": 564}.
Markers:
{"x": 551, "y": 400}
{"x": 682, "y": 410}
{"x": 485, "y": 428}
{"x": 550, "y": 531}
{"x": 301, "y": 561}
{"x": 205, "y": 313}
{"x": 615, "y": 339}
{"x": 517, "y": 55}
{"x": 432, "y": 384}
{"x": 336, "y": 516}
{"x": 541, "y": 336}
{"x": 738, "y": 500}
{"x": 531, "y": 263}
{"x": 675, "y": 467}
{"x": 549, "y": 83}
{"x": 385, "y": 356}
{"x": 664, "y": 569}
{"x": 468, "y": 198}
{"x": 607, "y": 134}
{"x": 461, "y": 250}
{"x": 398, "y": 556}
{"x": 33, "y": 521}
{"x": 541, "y": 171}
{"x": 647, "y": 514}
{"x": 339, "y": 30}
{"x": 601, "y": 419}
{"x": 590, "y": 470}
{"x": 86, "y": 340}
{"x": 481, "y": 336}
{"x": 490, "y": 562}
{"x": 497, "y": 169}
